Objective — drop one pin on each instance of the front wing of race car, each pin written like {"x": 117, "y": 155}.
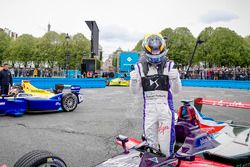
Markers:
{"x": 17, "y": 106}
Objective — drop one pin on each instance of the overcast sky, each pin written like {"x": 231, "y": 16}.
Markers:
{"x": 123, "y": 22}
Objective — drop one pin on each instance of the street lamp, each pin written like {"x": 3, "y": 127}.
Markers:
{"x": 67, "y": 54}
{"x": 198, "y": 42}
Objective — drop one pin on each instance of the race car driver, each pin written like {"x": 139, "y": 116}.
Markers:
{"x": 157, "y": 79}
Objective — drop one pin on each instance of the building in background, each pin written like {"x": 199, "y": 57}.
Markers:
{"x": 49, "y": 27}
{"x": 10, "y": 33}
{"x": 107, "y": 65}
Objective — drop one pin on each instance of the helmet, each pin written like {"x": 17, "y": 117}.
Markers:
{"x": 154, "y": 47}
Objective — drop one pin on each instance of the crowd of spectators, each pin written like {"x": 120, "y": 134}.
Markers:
{"x": 216, "y": 73}
{"x": 89, "y": 74}
{"x": 34, "y": 72}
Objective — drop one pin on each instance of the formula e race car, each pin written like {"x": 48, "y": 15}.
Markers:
{"x": 119, "y": 82}
{"x": 200, "y": 141}
{"x": 27, "y": 98}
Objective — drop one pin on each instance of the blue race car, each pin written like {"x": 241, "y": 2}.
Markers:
{"x": 27, "y": 98}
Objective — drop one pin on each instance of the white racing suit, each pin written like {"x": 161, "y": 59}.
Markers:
{"x": 157, "y": 83}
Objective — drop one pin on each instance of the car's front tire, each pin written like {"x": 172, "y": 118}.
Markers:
{"x": 69, "y": 102}
{"x": 39, "y": 158}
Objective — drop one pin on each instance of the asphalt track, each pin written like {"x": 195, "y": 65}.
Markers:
{"x": 85, "y": 137}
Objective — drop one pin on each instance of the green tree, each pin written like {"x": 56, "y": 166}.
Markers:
{"x": 245, "y": 58}
{"x": 4, "y": 44}
{"x": 22, "y": 49}
{"x": 247, "y": 39}
{"x": 11, "y": 52}
{"x": 169, "y": 33}
{"x": 227, "y": 48}
{"x": 79, "y": 47}
{"x": 48, "y": 48}
{"x": 204, "y": 51}
{"x": 181, "y": 43}
{"x": 138, "y": 46}
{"x": 114, "y": 61}
{"x": 115, "y": 58}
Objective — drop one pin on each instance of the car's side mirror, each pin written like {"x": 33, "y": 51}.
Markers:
{"x": 124, "y": 140}
{"x": 143, "y": 138}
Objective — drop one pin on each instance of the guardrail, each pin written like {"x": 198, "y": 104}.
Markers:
{"x": 234, "y": 84}
{"x": 47, "y": 83}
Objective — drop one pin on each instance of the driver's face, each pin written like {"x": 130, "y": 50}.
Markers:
{"x": 6, "y": 67}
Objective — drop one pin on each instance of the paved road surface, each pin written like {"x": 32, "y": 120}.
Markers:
{"x": 85, "y": 137}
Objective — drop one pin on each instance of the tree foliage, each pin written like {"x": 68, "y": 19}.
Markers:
{"x": 138, "y": 46}
{"x": 50, "y": 49}
{"x": 79, "y": 46}
{"x": 4, "y": 44}
{"x": 180, "y": 43}
{"x": 221, "y": 47}
{"x": 204, "y": 51}
{"x": 22, "y": 49}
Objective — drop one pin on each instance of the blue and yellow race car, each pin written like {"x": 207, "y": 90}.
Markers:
{"x": 118, "y": 82}
{"x": 27, "y": 98}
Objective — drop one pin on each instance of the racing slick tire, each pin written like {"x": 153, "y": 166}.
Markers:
{"x": 40, "y": 158}
{"x": 69, "y": 102}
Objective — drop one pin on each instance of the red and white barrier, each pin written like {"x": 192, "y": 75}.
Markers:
{"x": 223, "y": 103}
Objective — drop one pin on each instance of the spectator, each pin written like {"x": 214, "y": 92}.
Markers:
{"x": 46, "y": 72}
{"x": 216, "y": 74}
{"x": 12, "y": 72}
{"x": 209, "y": 74}
{"x": 89, "y": 74}
{"x": 24, "y": 72}
{"x": 221, "y": 74}
{"x": 5, "y": 79}
{"x": 35, "y": 72}
{"x": 39, "y": 72}
{"x": 205, "y": 73}
{"x": 212, "y": 74}
{"x": 84, "y": 74}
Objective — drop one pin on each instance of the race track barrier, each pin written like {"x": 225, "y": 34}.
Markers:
{"x": 222, "y": 103}
{"x": 234, "y": 84}
{"x": 48, "y": 83}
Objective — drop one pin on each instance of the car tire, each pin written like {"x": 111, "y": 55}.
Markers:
{"x": 40, "y": 158}
{"x": 69, "y": 102}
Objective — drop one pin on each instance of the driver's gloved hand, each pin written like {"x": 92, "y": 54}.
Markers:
{"x": 173, "y": 74}
{"x": 134, "y": 75}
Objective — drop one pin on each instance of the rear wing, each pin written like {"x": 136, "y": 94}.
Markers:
{"x": 198, "y": 102}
